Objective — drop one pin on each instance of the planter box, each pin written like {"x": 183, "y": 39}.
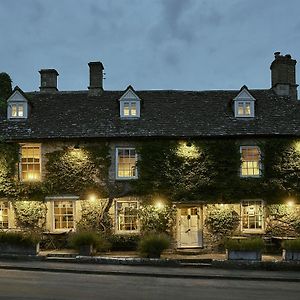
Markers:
{"x": 6, "y": 248}
{"x": 86, "y": 250}
{"x": 290, "y": 255}
{"x": 243, "y": 255}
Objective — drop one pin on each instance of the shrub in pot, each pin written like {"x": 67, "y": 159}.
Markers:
{"x": 88, "y": 242}
{"x": 291, "y": 249}
{"x": 25, "y": 243}
{"x": 153, "y": 244}
{"x": 244, "y": 249}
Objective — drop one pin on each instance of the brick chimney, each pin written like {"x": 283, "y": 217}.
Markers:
{"x": 283, "y": 73}
{"x": 48, "y": 80}
{"x": 96, "y": 78}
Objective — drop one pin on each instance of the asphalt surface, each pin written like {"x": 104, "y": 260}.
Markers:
{"x": 15, "y": 284}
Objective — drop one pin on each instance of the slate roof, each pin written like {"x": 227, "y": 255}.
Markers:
{"x": 164, "y": 113}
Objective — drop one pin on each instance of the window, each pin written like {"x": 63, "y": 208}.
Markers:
{"x": 126, "y": 159}
{"x": 30, "y": 163}
{"x": 17, "y": 110}
{"x": 63, "y": 214}
{"x": 129, "y": 109}
{"x": 245, "y": 109}
{"x": 127, "y": 216}
{"x": 251, "y": 161}
{"x": 252, "y": 215}
{"x": 4, "y": 208}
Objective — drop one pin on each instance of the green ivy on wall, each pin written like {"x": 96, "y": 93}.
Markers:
{"x": 78, "y": 171}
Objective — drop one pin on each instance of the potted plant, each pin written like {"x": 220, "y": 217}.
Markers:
{"x": 153, "y": 244}
{"x": 291, "y": 249}
{"x": 88, "y": 242}
{"x": 244, "y": 249}
{"x": 22, "y": 243}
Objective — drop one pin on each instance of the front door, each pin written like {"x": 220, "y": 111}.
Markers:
{"x": 189, "y": 227}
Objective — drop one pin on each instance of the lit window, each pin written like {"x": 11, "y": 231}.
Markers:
{"x": 127, "y": 216}
{"x": 17, "y": 110}
{"x": 129, "y": 109}
{"x": 251, "y": 161}
{"x": 4, "y": 208}
{"x": 252, "y": 215}
{"x": 245, "y": 109}
{"x": 30, "y": 163}
{"x": 63, "y": 214}
{"x": 126, "y": 159}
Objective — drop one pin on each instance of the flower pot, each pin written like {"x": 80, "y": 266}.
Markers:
{"x": 290, "y": 255}
{"x": 86, "y": 250}
{"x": 244, "y": 255}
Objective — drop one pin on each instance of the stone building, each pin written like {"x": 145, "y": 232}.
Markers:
{"x": 52, "y": 121}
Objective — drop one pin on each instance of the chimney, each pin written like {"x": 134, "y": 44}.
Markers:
{"x": 48, "y": 80}
{"x": 96, "y": 78}
{"x": 283, "y": 73}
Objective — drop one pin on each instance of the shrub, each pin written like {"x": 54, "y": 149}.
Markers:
{"x": 251, "y": 244}
{"x": 85, "y": 238}
{"x": 19, "y": 238}
{"x": 293, "y": 245}
{"x": 153, "y": 244}
{"x": 123, "y": 242}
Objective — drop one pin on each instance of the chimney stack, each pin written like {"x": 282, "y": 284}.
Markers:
{"x": 48, "y": 80}
{"x": 283, "y": 73}
{"x": 96, "y": 78}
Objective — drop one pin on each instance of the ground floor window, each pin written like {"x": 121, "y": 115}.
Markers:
{"x": 252, "y": 215}
{"x": 4, "y": 209}
{"x": 127, "y": 216}
{"x": 63, "y": 214}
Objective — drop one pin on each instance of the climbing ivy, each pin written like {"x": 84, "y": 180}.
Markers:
{"x": 5, "y": 89}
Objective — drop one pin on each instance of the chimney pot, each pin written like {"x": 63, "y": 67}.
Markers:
{"x": 276, "y": 54}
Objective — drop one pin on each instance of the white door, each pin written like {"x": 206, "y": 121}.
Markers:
{"x": 189, "y": 225}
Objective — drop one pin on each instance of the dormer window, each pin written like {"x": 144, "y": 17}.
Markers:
{"x": 17, "y": 105}
{"x": 244, "y": 104}
{"x": 130, "y": 104}
{"x": 17, "y": 110}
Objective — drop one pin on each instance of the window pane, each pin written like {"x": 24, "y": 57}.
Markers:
{"x": 127, "y": 217}
{"x": 252, "y": 215}
{"x": 63, "y": 214}
{"x": 126, "y": 109}
{"x": 20, "y": 110}
{"x": 247, "y": 108}
{"x": 133, "y": 109}
{"x": 4, "y": 214}
{"x": 250, "y": 161}
{"x": 126, "y": 163}
{"x": 30, "y": 163}
{"x": 14, "y": 110}
{"x": 240, "y": 108}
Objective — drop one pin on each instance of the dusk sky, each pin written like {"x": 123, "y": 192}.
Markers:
{"x": 150, "y": 44}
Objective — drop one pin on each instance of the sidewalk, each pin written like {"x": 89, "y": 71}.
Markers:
{"x": 150, "y": 271}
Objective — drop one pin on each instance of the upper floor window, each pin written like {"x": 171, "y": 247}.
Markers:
{"x": 244, "y": 104}
{"x": 129, "y": 104}
{"x": 17, "y": 105}
{"x": 30, "y": 166}
{"x": 251, "y": 161}
{"x": 126, "y": 159}
{"x": 126, "y": 216}
{"x": 252, "y": 215}
{"x": 4, "y": 212}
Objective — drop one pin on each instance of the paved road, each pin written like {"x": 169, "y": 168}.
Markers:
{"x": 44, "y": 285}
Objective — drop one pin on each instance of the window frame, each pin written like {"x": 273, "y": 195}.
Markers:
{"x": 244, "y": 103}
{"x": 71, "y": 199}
{"x": 130, "y": 102}
{"x": 117, "y": 163}
{"x": 40, "y": 162}
{"x": 259, "y": 163}
{"x": 116, "y": 219}
{"x": 263, "y": 216}
{"x": 8, "y": 214}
